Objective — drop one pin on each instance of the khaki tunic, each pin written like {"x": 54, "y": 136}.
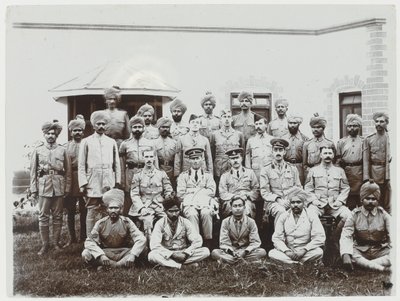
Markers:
{"x": 350, "y": 158}
{"x": 178, "y": 129}
{"x": 244, "y": 124}
{"x": 118, "y": 127}
{"x": 72, "y": 148}
{"x": 166, "y": 150}
{"x": 209, "y": 124}
{"x": 278, "y": 127}
{"x": 50, "y": 171}
{"x": 220, "y": 142}
{"x": 294, "y": 153}
{"x": 311, "y": 153}
{"x": 376, "y": 158}
{"x": 258, "y": 152}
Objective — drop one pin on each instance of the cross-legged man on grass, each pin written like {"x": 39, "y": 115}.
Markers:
{"x": 110, "y": 242}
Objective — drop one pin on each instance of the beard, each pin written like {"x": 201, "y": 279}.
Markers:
{"x": 177, "y": 118}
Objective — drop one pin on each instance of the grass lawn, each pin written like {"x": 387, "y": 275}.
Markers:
{"x": 64, "y": 274}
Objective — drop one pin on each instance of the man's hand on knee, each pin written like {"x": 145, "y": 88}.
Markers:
{"x": 130, "y": 261}
{"x": 347, "y": 262}
{"x": 105, "y": 261}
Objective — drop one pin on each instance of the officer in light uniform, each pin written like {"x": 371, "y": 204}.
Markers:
{"x": 209, "y": 123}
{"x": 178, "y": 128}
{"x": 279, "y": 126}
{"x": 146, "y": 111}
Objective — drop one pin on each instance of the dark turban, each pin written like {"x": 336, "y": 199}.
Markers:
{"x": 369, "y": 188}
{"x": 209, "y": 97}
{"x": 143, "y": 109}
{"x": 171, "y": 202}
{"x": 178, "y": 104}
{"x": 99, "y": 116}
{"x": 54, "y": 125}
{"x": 317, "y": 120}
{"x": 136, "y": 119}
{"x": 79, "y": 122}
{"x": 114, "y": 195}
{"x": 163, "y": 121}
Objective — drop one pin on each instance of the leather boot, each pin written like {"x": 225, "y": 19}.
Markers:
{"x": 71, "y": 229}
{"x": 56, "y": 236}
{"x": 44, "y": 234}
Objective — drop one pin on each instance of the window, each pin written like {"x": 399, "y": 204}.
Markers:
{"x": 350, "y": 103}
{"x": 261, "y": 104}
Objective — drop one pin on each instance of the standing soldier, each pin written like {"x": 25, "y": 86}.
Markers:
{"x": 118, "y": 125}
{"x": 191, "y": 140}
{"x": 147, "y": 112}
{"x": 296, "y": 139}
{"x": 50, "y": 173}
{"x": 76, "y": 127}
{"x": 222, "y": 140}
{"x": 279, "y": 126}
{"x": 209, "y": 123}
{"x": 131, "y": 155}
{"x": 311, "y": 148}
{"x": 349, "y": 157}
{"x": 166, "y": 148}
{"x": 178, "y": 109}
{"x": 244, "y": 121}
{"x": 376, "y": 158}
{"x": 258, "y": 148}
{"x": 99, "y": 168}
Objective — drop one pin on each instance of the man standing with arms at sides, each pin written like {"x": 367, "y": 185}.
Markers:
{"x": 244, "y": 121}
{"x": 118, "y": 126}
{"x": 131, "y": 155}
{"x": 258, "y": 148}
{"x": 279, "y": 126}
{"x": 150, "y": 186}
{"x": 376, "y": 158}
{"x": 238, "y": 181}
{"x": 209, "y": 123}
{"x": 365, "y": 239}
{"x": 299, "y": 235}
{"x": 296, "y": 139}
{"x": 76, "y": 127}
{"x": 222, "y": 140}
{"x": 175, "y": 242}
{"x": 110, "y": 242}
{"x": 193, "y": 139}
{"x": 239, "y": 237}
{"x": 50, "y": 173}
{"x": 147, "y": 113}
{"x": 178, "y": 128}
{"x": 311, "y": 148}
{"x": 99, "y": 168}
{"x": 350, "y": 158}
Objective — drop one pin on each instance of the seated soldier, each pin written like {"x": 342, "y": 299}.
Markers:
{"x": 174, "y": 241}
{"x": 365, "y": 239}
{"x": 239, "y": 237}
{"x": 148, "y": 189}
{"x": 196, "y": 191}
{"x": 238, "y": 180}
{"x": 298, "y": 235}
{"x": 110, "y": 242}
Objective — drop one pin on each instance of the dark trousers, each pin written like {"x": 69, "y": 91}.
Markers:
{"x": 70, "y": 205}
{"x": 386, "y": 192}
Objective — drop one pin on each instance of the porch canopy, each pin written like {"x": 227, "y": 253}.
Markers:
{"x": 130, "y": 80}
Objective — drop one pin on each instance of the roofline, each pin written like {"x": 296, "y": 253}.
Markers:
{"x": 201, "y": 29}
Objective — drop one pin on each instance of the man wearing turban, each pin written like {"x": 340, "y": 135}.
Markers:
{"x": 311, "y": 148}
{"x": 50, "y": 179}
{"x": 178, "y": 128}
{"x": 376, "y": 158}
{"x": 365, "y": 240}
{"x": 279, "y": 126}
{"x": 296, "y": 139}
{"x": 118, "y": 125}
{"x": 76, "y": 128}
{"x": 147, "y": 112}
{"x": 110, "y": 242}
{"x": 99, "y": 167}
{"x": 209, "y": 123}
{"x": 350, "y": 158}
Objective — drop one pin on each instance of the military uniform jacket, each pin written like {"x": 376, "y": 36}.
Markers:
{"x": 166, "y": 150}
{"x": 307, "y": 233}
{"x": 150, "y": 132}
{"x": 244, "y": 124}
{"x": 294, "y": 153}
{"x": 185, "y": 238}
{"x": 188, "y": 187}
{"x": 376, "y": 158}
{"x": 365, "y": 230}
{"x": 278, "y": 127}
{"x": 121, "y": 234}
{"x": 329, "y": 186}
{"x": 247, "y": 238}
{"x": 350, "y": 158}
{"x": 230, "y": 184}
{"x": 72, "y": 148}
{"x": 118, "y": 127}
{"x": 131, "y": 152}
{"x": 98, "y": 164}
{"x": 189, "y": 141}
{"x": 50, "y": 171}
{"x": 220, "y": 142}
{"x": 311, "y": 153}
{"x": 149, "y": 189}
{"x": 209, "y": 124}
{"x": 275, "y": 182}
{"x": 178, "y": 129}
{"x": 258, "y": 151}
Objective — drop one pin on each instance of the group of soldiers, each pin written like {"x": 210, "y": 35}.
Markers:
{"x": 164, "y": 188}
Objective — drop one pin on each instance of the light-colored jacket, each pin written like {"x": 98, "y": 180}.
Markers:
{"x": 98, "y": 165}
{"x": 188, "y": 188}
{"x": 230, "y": 185}
{"x": 258, "y": 152}
{"x": 376, "y": 158}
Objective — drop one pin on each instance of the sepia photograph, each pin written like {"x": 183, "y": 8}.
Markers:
{"x": 201, "y": 150}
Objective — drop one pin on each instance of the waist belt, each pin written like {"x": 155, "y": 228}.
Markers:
{"x": 51, "y": 172}
{"x": 132, "y": 165}
{"x": 166, "y": 162}
{"x": 294, "y": 161}
{"x": 369, "y": 243}
{"x": 378, "y": 163}
{"x": 353, "y": 164}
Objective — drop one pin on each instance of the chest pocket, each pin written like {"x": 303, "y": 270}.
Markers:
{"x": 375, "y": 149}
{"x": 334, "y": 182}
